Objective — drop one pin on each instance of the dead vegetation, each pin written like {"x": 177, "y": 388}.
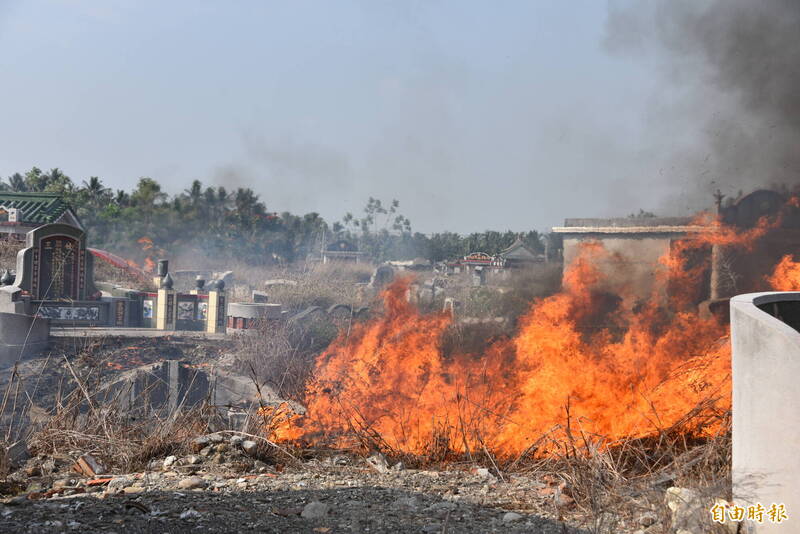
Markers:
{"x": 8, "y": 252}
{"x": 610, "y": 486}
{"x": 606, "y": 487}
{"x": 282, "y": 354}
{"x": 80, "y": 414}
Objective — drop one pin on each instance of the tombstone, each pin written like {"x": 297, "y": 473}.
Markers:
{"x": 280, "y": 282}
{"x": 478, "y": 277}
{"x": 451, "y": 306}
{"x": 55, "y": 264}
{"x": 340, "y": 313}
{"x": 309, "y": 314}
{"x": 382, "y": 276}
{"x": 260, "y": 297}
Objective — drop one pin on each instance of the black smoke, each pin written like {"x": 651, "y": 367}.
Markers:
{"x": 734, "y": 69}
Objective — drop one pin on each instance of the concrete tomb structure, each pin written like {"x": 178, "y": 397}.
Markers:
{"x": 765, "y": 346}
{"x": 173, "y": 384}
{"x": 249, "y": 316}
{"x": 53, "y": 283}
{"x": 634, "y": 247}
{"x": 22, "y": 212}
{"x": 54, "y": 276}
{"x": 382, "y": 276}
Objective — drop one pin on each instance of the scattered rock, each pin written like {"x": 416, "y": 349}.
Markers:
{"x": 168, "y": 461}
{"x": 315, "y": 510}
{"x": 117, "y": 483}
{"x": 378, "y": 462}
{"x": 511, "y": 517}
{"x": 33, "y": 469}
{"x": 441, "y": 510}
{"x": 249, "y": 446}
{"x": 411, "y": 503}
{"x": 17, "y": 454}
{"x": 193, "y": 460}
{"x": 236, "y": 441}
{"x": 48, "y": 465}
{"x": 132, "y": 490}
{"x": 648, "y": 518}
{"x": 689, "y": 511}
{"x": 482, "y": 472}
{"x": 286, "y": 512}
{"x": 200, "y": 443}
{"x": 191, "y": 513}
{"x": 562, "y": 499}
{"x": 192, "y": 483}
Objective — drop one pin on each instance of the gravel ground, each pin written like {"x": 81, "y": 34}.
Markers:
{"x": 225, "y": 491}
{"x": 357, "y": 509}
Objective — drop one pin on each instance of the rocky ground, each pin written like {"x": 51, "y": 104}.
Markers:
{"x": 221, "y": 487}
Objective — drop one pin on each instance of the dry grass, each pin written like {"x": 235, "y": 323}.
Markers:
{"x": 608, "y": 484}
{"x": 86, "y": 416}
{"x": 105, "y": 272}
{"x": 508, "y": 294}
{"x": 8, "y": 252}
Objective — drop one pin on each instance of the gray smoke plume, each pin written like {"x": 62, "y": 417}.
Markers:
{"x": 734, "y": 69}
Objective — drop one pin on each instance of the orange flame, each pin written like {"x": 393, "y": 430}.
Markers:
{"x": 579, "y": 363}
{"x": 146, "y": 243}
{"x": 390, "y": 379}
{"x": 786, "y": 276}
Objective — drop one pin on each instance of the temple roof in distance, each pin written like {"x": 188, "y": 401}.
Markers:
{"x": 519, "y": 251}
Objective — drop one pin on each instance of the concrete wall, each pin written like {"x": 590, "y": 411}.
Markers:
{"x": 766, "y": 406}
{"x": 21, "y": 336}
{"x": 631, "y": 266}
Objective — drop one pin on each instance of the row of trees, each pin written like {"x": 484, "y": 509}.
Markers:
{"x": 222, "y": 223}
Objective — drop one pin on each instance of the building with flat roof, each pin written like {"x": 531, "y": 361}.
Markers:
{"x": 634, "y": 247}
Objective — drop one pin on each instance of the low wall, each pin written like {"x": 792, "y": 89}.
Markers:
{"x": 766, "y": 402}
{"x": 21, "y": 336}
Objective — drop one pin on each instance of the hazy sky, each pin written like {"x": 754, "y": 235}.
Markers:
{"x": 474, "y": 115}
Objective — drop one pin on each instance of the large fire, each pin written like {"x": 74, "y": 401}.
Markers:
{"x": 642, "y": 370}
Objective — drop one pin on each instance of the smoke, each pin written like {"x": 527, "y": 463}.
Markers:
{"x": 275, "y": 165}
{"x": 733, "y": 67}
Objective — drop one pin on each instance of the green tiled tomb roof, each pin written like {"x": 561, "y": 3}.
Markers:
{"x": 42, "y": 208}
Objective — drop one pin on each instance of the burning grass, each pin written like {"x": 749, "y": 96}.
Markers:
{"x": 645, "y": 396}
{"x": 390, "y": 379}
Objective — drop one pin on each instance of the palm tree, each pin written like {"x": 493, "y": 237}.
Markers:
{"x": 17, "y": 183}
{"x": 195, "y": 192}
{"x": 95, "y": 189}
